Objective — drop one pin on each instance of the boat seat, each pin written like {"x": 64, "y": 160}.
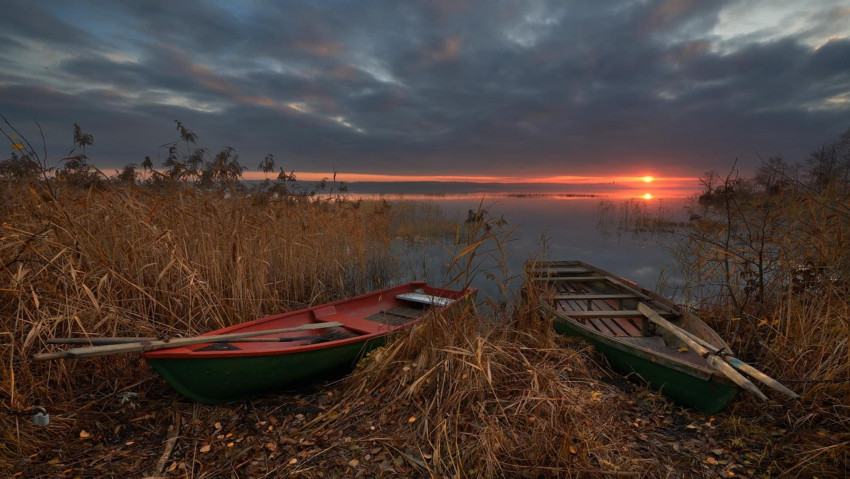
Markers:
{"x": 423, "y": 298}
{"x": 360, "y": 325}
{"x": 623, "y": 313}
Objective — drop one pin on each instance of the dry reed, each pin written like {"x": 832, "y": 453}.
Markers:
{"x": 771, "y": 273}
{"x": 462, "y": 397}
{"x": 635, "y": 216}
{"x": 128, "y": 262}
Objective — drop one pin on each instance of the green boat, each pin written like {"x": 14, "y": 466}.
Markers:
{"x": 602, "y": 308}
{"x": 219, "y": 372}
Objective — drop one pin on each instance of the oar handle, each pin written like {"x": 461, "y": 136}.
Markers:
{"x": 119, "y": 340}
{"x": 98, "y": 341}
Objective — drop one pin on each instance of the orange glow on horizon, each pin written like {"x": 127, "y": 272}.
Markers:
{"x": 647, "y": 196}
{"x": 620, "y": 181}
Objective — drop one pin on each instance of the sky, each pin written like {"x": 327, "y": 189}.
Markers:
{"x": 519, "y": 90}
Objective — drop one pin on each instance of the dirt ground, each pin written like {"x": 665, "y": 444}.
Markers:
{"x": 148, "y": 430}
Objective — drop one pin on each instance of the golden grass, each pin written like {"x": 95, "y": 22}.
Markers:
{"x": 462, "y": 397}
{"x": 771, "y": 276}
{"x": 127, "y": 262}
{"x": 419, "y": 220}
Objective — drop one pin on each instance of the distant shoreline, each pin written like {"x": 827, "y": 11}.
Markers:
{"x": 517, "y": 190}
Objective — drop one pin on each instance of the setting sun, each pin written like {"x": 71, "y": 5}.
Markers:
{"x": 648, "y": 179}
{"x": 647, "y": 196}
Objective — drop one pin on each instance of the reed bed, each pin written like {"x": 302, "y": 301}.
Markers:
{"x": 636, "y": 216}
{"x": 770, "y": 274}
{"x": 460, "y": 396}
{"x": 418, "y": 221}
{"x": 770, "y": 271}
{"x": 131, "y": 262}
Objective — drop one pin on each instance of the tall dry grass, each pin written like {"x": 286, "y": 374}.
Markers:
{"x": 771, "y": 273}
{"x": 461, "y": 396}
{"x": 500, "y": 394}
{"x": 130, "y": 262}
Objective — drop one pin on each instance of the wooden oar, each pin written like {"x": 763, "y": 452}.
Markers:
{"x": 91, "y": 351}
{"x": 745, "y": 367}
{"x": 712, "y": 359}
{"x": 126, "y": 340}
{"x": 98, "y": 341}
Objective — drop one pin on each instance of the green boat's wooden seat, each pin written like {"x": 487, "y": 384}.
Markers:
{"x": 630, "y": 328}
{"x": 360, "y": 325}
{"x": 620, "y": 327}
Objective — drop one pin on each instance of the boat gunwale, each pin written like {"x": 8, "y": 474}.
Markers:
{"x": 186, "y": 353}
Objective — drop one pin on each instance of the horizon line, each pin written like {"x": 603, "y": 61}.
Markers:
{"x": 561, "y": 179}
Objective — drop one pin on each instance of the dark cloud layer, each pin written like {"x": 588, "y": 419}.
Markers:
{"x": 435, "y": 87}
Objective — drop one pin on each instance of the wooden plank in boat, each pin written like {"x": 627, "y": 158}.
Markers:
{"x": 354, "y": 323}
{"x": 614, "y": 327}
{"x": 628, "y": 287}
{"x": 627, "y": 326}
{"x": 557, "y": 270}
{"x": 570, "y": 279}
{"x": 640, "y": 292}
{"x": 626, "y": 313}
{"x": 600, "y": 326}
{"x": 579, "y": 297}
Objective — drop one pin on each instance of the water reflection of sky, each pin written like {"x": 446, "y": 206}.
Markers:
{"x": 658, "y": 188}
{"x": 571, "y": 226}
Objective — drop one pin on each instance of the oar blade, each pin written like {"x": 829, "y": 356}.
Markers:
{"x": 764, "y": 378}
{"x": 736, "y": 377}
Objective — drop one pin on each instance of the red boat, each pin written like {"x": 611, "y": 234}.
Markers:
{"x": 218, "y": 372}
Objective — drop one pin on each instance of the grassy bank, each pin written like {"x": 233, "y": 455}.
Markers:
{"x": 460, "y": 397}
{"x": 769, "y": 271}
{"x": 129, "y": 261}
{"x": 466, "y": 395}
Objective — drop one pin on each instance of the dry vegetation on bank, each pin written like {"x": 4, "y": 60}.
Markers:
{"x": 769, "y": 261}
{"x": 459, "y": 397}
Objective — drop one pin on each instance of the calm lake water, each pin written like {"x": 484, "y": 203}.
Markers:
{"x": 575, "y": 227}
